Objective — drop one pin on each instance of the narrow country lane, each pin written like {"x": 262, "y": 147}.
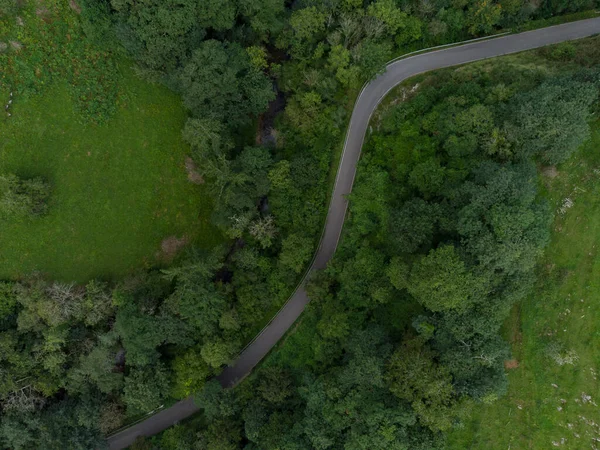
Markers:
{"x": 367, "y": 102}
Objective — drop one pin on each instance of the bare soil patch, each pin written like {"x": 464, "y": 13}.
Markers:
{"x": 170, "y": 246}
{"x": 74, "y": 6}
{"x": 43, "y": 13}
{"x": 550, "y": 172}
{"x": 511, "y": 364}
{"x": 192, "y": 171}
{"x": 16, "y": 45}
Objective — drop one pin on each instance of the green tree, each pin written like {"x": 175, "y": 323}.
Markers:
{"x": 196, "y": 299}
{"x": 552, "y": 120}
{"x": 217, "y": 14}
{"x": 159, "y": 34}
{"x": 190, "y": 372}
{"x": 501, "y": 223}
{"x": 363, "y": 281}
{"x": 414, "y": 376}
{"x": 339, "y": 61}
{"x": 266, "y": 17}
{"x": 146, "y": 388}
{"x": 308, "y": 23}
{"x": 371, "y": 57}
{"x": 398, "y": 272}
{"x": 141, "y": 335}
{"x": 296, "y": 251}
{"x": 369, "y": 200}
{"x": 220, "y": 83}
{"x": 441, "y": 281}
{"x": 387, "y": 12}
{"x": 209, "y": 140}
{"x": 482, "y": 16}
{"x": 275, "y": 385}
{"x": 97, "y": 368}
{"x": 217, "y": 353}
{"x": 216, "y": 402}
{"x": 413, "y": 225}
{"x": 428, "y": 177}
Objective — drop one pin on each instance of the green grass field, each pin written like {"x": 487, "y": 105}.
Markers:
{"x": 547, "y": 404}
{"x": 119, "y": 188}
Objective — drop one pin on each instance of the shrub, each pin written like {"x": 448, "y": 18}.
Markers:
{"x": 20, "y": 198}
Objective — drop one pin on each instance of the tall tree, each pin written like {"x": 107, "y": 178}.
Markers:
{"x": 219, "y": 82}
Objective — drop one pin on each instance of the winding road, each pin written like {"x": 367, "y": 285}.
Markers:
{"x": 371, "y": 95}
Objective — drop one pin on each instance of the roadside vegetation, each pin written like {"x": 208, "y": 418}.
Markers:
{"x": 89, "y": 343}
{"x": 448, "y": 221}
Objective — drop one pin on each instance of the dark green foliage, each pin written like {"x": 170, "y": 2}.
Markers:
{"x": 551, "y": 121}
{"x": 413, "y": 225}
{"x": 414, "y": 376}
{"x": 145, "y": 390}
{"x": 8, "y": 299}
{"x": 363, "y": 281}
{"x": 275, "y": 385}
{"x": 502, "y": 224}
{"x": 372, "y": 56}
{"x": 195, "y": 298}
{"x": 266, "y": 17}
{"x": 296, "y": 251}
{"x": 65, "y": 424}
{"x": 160, "y": 34}
{"x": 216, "y": 402}
{"x": 217, "y": 14}
{"x": 218, "y": 82}
{"x": 97, "y": 368}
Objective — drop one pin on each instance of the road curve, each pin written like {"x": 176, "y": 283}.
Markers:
{"x": 367, "y": 102}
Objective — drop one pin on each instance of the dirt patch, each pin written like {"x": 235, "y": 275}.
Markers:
{"x": 74, "y": 6}
{"x": 511, "y": 364}
{"x": 170, "y": 246}
{"x": 192, "y": 171}
{"x": 43, "y": 13}
{"x": 550, "y": 172}
{"x": 16, "y": 45}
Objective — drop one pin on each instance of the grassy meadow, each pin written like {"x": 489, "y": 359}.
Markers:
{"x": 110, "y": 145}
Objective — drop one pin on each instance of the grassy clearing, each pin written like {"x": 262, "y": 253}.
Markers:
{"x": 562, "y": 313}
{"x": 120, "y": 188}
{"x": 109, "y": 143}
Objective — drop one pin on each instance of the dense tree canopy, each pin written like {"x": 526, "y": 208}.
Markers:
{"x": 220, "y": 83}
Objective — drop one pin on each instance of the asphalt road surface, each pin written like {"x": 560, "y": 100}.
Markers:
{"x": 368, "y": 100}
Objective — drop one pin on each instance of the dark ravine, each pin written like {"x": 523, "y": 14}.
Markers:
{"x": 366, "y": 104}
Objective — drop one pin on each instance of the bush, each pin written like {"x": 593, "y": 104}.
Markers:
{"x": 20, "y": 198}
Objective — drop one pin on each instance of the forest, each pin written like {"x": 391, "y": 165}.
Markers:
{"x": 445, "y": 227}
{"x": 446, "y": 224}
